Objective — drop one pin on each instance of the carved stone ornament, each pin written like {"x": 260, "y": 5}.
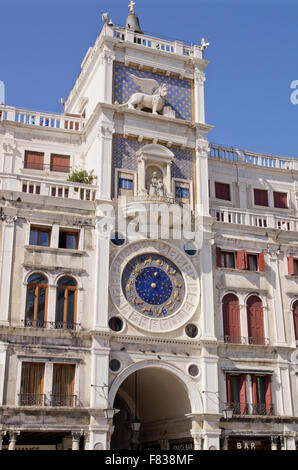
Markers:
{"x": 106, "y": 131}
{"x": 202, "y": 148}
{"x": 9, "y": 146}
{"x": 107, "y": 57}
{"x": 154, "y": 286}
{"x": 200, "y": 77}
{"x": 147, "y": 98}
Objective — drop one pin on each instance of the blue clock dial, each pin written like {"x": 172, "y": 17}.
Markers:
{"x": 153, "y": 285}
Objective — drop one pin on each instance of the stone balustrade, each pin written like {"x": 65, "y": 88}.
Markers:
{"x": 233, "y": 155}
{"x": 175, "y": 47}
{"x": 47, "y": 187}
{"x": 40, "y": 119}
{"x": 254, "y": 219}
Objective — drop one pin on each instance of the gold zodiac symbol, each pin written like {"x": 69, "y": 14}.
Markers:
{"x": 159, "y": 262}
{"x": 169, "y": 303}
{"x": 148, "y": 261}
{"x": 146, "y": 309}
{"x": 137, "y": 269}
{"x": 176, "y": 295}
{"x": 172, "y": 308}
{"x": 129, "y": 285}
{"x": 135, "y": 301}
{"x": 159, "y": 312}
{"x": 177, "y": 283}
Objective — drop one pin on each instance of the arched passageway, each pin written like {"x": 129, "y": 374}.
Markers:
{"x": 154, "y": 404}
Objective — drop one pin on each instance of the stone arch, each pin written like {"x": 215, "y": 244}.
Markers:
{"x": 194, "y": 396}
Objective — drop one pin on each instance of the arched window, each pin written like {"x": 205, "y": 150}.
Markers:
{"x": 231, "y": 319}
{"x": 36, "y": 302}
{"x": 295, "y": 317}
{"x": 66, "y": 309}
{"x": 255, "y": 320}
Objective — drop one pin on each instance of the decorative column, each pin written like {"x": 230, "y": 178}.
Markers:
{"x": 169, "y": 180}
{"x": 277, "y": 303}
{"x": 106, "y": 73}
{"x": 101, "y": 280}
{"x": 103, "y": 158}
{"x": 76, "y": 436}
{"x": 3, "y": 353}
{"x": 207, "y": 298}
{"x": 12, "y": 439}
{"x": 6, "y": 267}
{"x": 2, "y": 434}
{"x": 197, "y": 440}
{"x": 202, "y": 172}
{"x": 200, "y": 78}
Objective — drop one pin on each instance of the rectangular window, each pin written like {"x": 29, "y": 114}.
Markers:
{"x": 222, "y": 191}
{"x": 261, "y": 395}
{"x": 261, "y": 197}
{"x": 125, "y": 184}
{"x": 236, "y": 393}
{"x": 32, "y": 384}
{"x": 40, "y": 236}
{"x": 60, "y": 163}
{"x": 182, "y": 192}
{"x": 34, "y": 160}
{"x": 292, "y": 266}
{"x": 280, "y": 200}
{"x": 68, "y": 239}
{"x": 252, "y": 262}
{"x": 228, "y": 259}
{"x": 63, "y": 385}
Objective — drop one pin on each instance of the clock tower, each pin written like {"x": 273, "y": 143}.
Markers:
{"x": 153, "y": 285}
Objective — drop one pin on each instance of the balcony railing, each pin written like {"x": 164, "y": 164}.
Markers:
{"x": 53, "y": 325}
{"x": 64, "y": 400}
{"x": 172, "y": 47}
{"x": 43, "y": 186}
{"x": 230, "y": 154}
{"x": 39, "y": 119}
{"x": 245, "y": 340}
{"x": 31, "y": 399}
{"x": 255, "y": 409}
{"x": 254, "y": 219}
{"x": 34, "y": 399}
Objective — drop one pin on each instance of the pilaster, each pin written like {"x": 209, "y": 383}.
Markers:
{"x": 8, "y": 229}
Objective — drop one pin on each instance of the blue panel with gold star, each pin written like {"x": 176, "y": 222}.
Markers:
{"x": 179, "y": 96}
{"x": 153, "y": 285}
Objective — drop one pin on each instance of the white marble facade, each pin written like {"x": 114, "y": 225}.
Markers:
{"x": 146, "y": 165}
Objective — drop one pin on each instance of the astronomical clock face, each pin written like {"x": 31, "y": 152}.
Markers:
{"x": 153, "y": 285}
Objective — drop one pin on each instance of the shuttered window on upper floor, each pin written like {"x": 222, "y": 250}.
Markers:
{"x": 222, "y": 191}
{"x": 34, "y": 160}
{"x": 60, "y": 163}
{"x": 280, "y": 200}
{"x": 261, "y": 197}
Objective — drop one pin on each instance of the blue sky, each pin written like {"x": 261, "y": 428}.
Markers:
{"x": 253, "y": 58}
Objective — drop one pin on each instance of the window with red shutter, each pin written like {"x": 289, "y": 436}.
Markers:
{"x": 280, "y": 200}
{"x": 241, "y": 259}
{"x": 255, "y": 320}
{"x": 218, "y": 257}
{"x": 261, "y": 261}
{"x": 222, "y": 191}
{"x": 236, "y": 393}
{"x": 291, "y": 265}
{"x": 231, "y": 319}
{"x": 261, "y": 197}
{"x": 295, "y": 318}
{"x": 34, "y": 160}
{"x": 60, "y": 163}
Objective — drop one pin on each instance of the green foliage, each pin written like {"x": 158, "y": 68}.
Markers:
{"x": 82, "y": 176}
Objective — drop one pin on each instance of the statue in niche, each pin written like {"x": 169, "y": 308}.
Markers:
{"x": 156, "y": 186}
{"x": 147, "y": 99}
